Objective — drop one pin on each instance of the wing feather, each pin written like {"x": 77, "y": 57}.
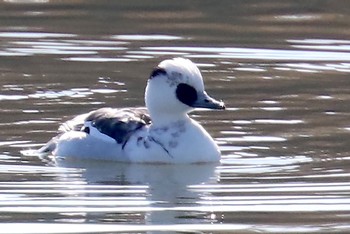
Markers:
{"x": 116, "y": 123}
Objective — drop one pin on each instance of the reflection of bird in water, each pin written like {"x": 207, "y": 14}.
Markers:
{"x": 164, "y": 187}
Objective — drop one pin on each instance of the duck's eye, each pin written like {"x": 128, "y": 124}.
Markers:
{"x": 157, "y": 71}
{"x": 186, "y": 94}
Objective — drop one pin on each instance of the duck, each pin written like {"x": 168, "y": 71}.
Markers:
{"x": 160, "y": 132}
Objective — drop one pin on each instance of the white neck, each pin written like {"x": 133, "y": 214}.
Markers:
{"x": 164, "y": 119}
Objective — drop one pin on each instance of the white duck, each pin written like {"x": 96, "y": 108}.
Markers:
{"x": 162, "y": 133}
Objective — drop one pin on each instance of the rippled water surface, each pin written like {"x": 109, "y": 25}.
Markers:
{"x": 282, "y": 68}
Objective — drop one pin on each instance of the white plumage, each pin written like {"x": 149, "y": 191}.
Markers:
{"x": 160, "y": 133}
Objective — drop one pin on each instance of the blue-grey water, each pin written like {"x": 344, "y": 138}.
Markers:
{"x": 282, "y": 68}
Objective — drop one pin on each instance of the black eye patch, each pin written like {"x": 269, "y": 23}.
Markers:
{"x": 157, "y": 71}
{"x": 186, "y": 94}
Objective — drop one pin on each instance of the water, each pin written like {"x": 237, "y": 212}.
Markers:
{"x": 281, "y": 67}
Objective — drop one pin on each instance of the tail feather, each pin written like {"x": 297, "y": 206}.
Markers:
{"x": 45, "y": 150}
{"x": 49, "y": 147}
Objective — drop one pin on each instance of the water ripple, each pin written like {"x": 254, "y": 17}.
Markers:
{"x": 257, "y": 53}
{"x": 34, "y": 35}
{"x": 138, "y": 37}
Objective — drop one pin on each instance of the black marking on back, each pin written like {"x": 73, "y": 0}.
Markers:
{"x": 86, "y": 129}
{"x": 158, "y": 71}
{"x": 119, "y": 124}
{"x": 186, "y": 94}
